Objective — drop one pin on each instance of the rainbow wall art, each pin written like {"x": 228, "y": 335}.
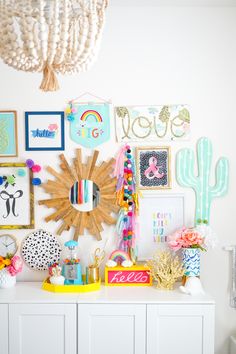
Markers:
{"x": 90, "y": 124}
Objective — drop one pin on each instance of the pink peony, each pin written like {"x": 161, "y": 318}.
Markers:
{"x": 16, "y": 265}
{"x": 185, "y": 238}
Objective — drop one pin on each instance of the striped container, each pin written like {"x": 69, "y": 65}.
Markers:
{"x": 191, "y": 261}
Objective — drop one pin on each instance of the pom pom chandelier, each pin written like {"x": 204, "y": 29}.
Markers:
{"x": 52, "y": 36}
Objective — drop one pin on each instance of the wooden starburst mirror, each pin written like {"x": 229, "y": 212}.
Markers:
{"x": 66, "y": 193}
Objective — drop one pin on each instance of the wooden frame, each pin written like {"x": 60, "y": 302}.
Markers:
{"x": 15, "y": 134}
{"x": 61, "y": 186}
{"x": 168, "y": 173}
{"x": 31, "y": 197}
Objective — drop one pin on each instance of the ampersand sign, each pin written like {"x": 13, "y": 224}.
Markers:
{"x": 8, "y": 197}
{"x": 153, "y": 170}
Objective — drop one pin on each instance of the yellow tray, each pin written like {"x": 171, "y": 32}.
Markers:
{"x": 70, "y": 288}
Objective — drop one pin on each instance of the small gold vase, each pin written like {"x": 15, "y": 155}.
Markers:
{"x": 92, "y": 274}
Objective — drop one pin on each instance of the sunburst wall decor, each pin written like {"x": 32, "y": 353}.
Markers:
{"x": 60, "y": 190}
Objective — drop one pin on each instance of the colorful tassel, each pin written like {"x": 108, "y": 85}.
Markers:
{"x": 127, "y": 199}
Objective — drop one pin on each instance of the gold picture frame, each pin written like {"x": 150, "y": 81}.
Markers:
{"x": 60, "y": 189}
{"x": 155, "y": 174}
{"x": 29, "y": 192}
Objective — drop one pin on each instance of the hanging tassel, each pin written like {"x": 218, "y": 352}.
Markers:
{"x": 119, "y": 166}
{"x": 49, "y": 82}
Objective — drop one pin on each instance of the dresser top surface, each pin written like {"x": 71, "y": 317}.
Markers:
{"x": 31, "y": 292}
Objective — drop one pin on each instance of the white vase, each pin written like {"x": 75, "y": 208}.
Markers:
{"x": 57, "y": 280}
{"x": 6, "y": 279}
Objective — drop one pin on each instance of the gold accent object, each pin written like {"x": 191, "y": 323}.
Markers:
{"x": 166, "y": 269}
{"x": 92, "y": 274}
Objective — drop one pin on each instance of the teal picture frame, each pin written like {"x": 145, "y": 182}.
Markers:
{"x": 8, "y": 134}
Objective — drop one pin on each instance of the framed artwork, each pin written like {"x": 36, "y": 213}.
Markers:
{"x": 44, "y": 131}
{"x": 8, "y": 134}
{"x": 153, "y": 167}
{"x": 16, "y": 197}
{"x": 159, "y": 216}
{"x": 152, "y": 123}
{"x": 90, "y": 125}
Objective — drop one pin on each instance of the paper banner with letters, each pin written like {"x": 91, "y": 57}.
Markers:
{"x": 91, "y": 124}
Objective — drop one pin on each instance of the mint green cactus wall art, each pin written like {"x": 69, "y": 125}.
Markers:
{"x": 204, "y": 191}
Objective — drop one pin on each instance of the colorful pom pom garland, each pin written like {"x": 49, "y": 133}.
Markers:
{"x": 34, "y": 168}
{"x": 70, "y": 112}
{"x": 127, "y": 199}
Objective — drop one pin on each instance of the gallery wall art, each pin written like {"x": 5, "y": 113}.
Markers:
{"x": 89, "y": 123}
{"x": 205, "y": 192}
{"x": 8, "y": 133}
{"x": 152, "y": 123}
{"x": 16, "y": 197}
{"x": 160, "y": 215}
{"x": 44, "y": 131}
{"x": 153, "y": 167}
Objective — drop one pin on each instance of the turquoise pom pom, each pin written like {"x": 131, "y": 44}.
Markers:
{"x": 21, "y": 172}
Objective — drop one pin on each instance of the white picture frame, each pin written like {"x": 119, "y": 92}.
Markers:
{"x": 159, "y": 216}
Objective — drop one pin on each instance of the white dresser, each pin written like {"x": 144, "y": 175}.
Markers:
{"x": 115, "y": 320}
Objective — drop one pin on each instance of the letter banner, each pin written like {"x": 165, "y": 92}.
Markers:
{"x": 91, "y": 124}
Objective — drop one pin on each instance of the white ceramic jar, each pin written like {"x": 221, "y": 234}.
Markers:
{"x": 6, "y": 279}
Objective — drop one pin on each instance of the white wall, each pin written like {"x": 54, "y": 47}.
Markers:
{"x": 154, "y": 55}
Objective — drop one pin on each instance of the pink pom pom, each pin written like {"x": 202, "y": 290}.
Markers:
{"x": 130, "y": 213}
{"x": 125, "y": 232}
{"x": 36, "y": 168}
{"x": 73, "y": 110}
{"x": 29, "y": 163}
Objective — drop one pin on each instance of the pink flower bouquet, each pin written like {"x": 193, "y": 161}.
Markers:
{"x": 16, "y": 265}
{"x": 186, "y": 238}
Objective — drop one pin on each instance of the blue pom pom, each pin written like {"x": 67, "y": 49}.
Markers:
{"x": 70, "y": 118}
{"x": 1, "y": 180}
{"x": 36, "y": 181}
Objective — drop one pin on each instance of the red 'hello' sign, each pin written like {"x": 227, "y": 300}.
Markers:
{"x": 133, "y": 276}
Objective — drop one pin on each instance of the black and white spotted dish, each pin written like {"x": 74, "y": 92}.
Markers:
{"x": 39, "y": 249}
